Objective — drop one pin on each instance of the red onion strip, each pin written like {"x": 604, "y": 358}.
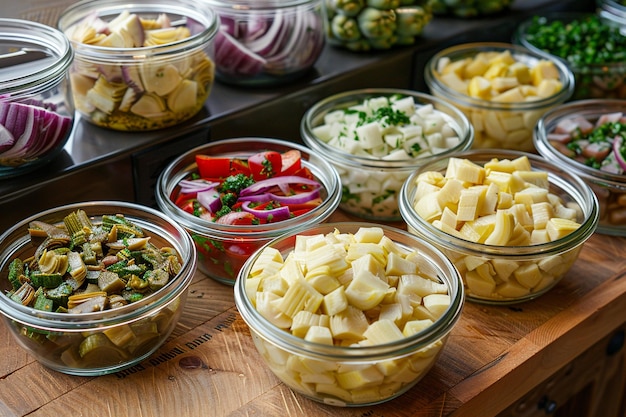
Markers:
{"x": 264, "y": 185}
{"x": 277, "y": 214}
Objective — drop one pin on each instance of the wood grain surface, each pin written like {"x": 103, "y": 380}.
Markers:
{"x": 210, "y": 367}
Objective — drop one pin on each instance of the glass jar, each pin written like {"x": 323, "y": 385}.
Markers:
{"x": 359, "y": 374}
{"x": 36, "y": 108}
{"x": 110, "y": 340}
{"x": 507, "y": 274}
{"x": 266, "y": 42}
{"x": 505, "y": 121}
{"x": 223, "y": 248}
{"x": 371, "y": 183}
{"x": 608, "y": 185}
{"x": 140, "y": 66}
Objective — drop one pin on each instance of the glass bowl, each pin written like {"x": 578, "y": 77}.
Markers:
{"x": 95, "y": 342}
{"x": 608, "y": 182}
{"x": 335, "y": 366}
{"x": 36, "y": 108}
{"x": 268, "y": 42}
{"x": 525, "y": 256}
{"x": 223, "y": 248}
{"x": 599, "y": 70}
{"x": 140, "y": 66}
{"x": 372, "y": 175}
{"x": 361, "y": 26}
{"x": 495, "y": 86}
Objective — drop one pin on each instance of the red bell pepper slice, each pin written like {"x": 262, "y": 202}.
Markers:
{"x": 291, "y": 162}
{"x": 265, "y": 165}
{"x": 213, "y": 166}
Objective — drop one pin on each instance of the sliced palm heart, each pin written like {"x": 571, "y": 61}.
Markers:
{"x": 511, "y": 205}
{"x": 374, "y": 292}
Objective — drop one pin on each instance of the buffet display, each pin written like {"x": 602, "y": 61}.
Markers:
{"x": 500, "y": 175}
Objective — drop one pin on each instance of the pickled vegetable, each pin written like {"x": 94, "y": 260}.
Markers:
{"x": 142, "y": 94}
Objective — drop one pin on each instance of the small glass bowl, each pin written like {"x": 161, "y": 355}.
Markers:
{"x": 314, "y": 369}
{"x": 54, "y": 338}
{"x": 371, "y": 184}
{"x": 553, "y": 259}
{"x": 156, "y": 74}
{"x": 262, "y": 43}
{"x": 610, "y": 188}
{"x": 505, "y": 125}
{"x": 36, "y": 107}
{"x": 223, "y": 248}
{"x": 599, "y": 80}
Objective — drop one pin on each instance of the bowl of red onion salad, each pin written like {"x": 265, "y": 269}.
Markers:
{"x": 235, "y": 195}
{"x": 588, "y": 138}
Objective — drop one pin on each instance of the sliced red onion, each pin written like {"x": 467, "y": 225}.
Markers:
{"x": 299, "y": 198}
{"x": 264, "y": 185}
{"x": 210, "y": 199}
{"x": 617, "y": 144}
{"x": 276, "y": 214}
{"x": 233, "y": 217}
{"x": 196, "y": 186}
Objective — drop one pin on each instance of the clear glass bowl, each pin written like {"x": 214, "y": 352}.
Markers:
{"x": 371, "y": 184}
{"x": 315, "y": 369}
{"x": 54, "y": 339}
{"x": 592, "y": 80}
{"x": 223, "y": 248}
{"x": 155, "y": 69}
{"x": 268, "y": 42}
{"x": 498, "y": 124}
{"x": 610, "y": 188}
{"x": 36, "y": 107}
{"x": 550, "y": 261}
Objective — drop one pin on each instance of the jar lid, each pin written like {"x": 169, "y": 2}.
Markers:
{"x": 30, "y": 53}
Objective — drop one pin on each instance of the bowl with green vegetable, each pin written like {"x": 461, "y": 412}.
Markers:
{"x": 361, "y": 26}
{"x": 95, "y": 287}
{"x": 36, "y": 107}
{"x": 350, "y": 314}
{"x": 513, "y": 223}
{"x": 376, "y": 137}
{"x": 271, "y": 42}
{"x": 235, "y": 195}
{"x": 593, "y": 47}
{"x": 587, "y": 137}
{"x": 142, "y": 66}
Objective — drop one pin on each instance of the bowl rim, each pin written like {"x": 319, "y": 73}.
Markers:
{"x": 68, "y": 322}
{"x": 464, "y": 130}
{"x": 588, "y": 108}
{"x": 178, "y": 169}
{"x": 566, "y": 76}
{"x": 406, "y": 346}
{"x": 565, "y": 180}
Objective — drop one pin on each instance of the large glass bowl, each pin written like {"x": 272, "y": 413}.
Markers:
{"x": 223, "y": 248}
{"x": 371, "y": 180}
{"x": 117, "y": 338}
{"x": 356, "y": 374}
{"x": 508, "y": 274}
{"x": 140, "y": 66}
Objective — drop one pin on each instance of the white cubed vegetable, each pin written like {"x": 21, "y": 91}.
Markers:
{"x": 397, "y": 155}
{"x": 333, "y": 117}
{"x": 323, "y": 132}
{"x": 376, "y": 103}
{"x": 370, "y": 135}
{"x": 406, "y": 105}
{"x": 434, "y": 123}
{"x": 424, "y": 110}
{"x": 411, "y": 131}
{"x": 394, "y": 139}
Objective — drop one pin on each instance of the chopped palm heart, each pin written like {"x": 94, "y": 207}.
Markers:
{"x": 503, "y": 203}
{"x": 142, "y": 95}
{"x": 82, "y": 266}
{"x": 353, "y": 290}
{"x": 499, "y": 77}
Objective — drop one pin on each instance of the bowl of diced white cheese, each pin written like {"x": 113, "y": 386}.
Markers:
{"x": 349, "y": 314}
{"x": 512, "y": 222}
{"x": 376, "y": 137}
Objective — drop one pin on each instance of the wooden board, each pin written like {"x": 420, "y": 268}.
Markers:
{"x": 209, "y": 366}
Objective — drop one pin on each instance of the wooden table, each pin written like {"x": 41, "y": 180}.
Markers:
{"x": 209, "y": 367}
